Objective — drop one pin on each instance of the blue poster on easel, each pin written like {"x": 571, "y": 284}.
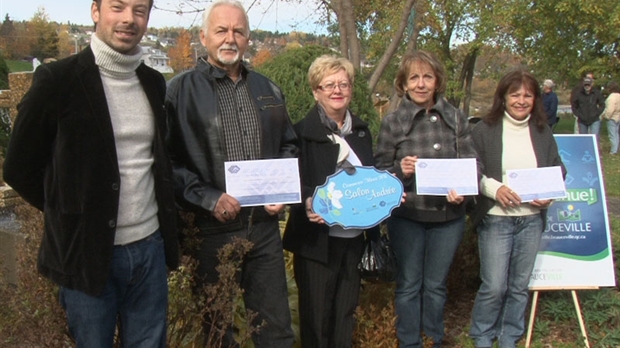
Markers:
{"x": 575, "y": 249}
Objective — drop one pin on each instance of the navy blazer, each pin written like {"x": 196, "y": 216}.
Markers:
{"x": 62, "y": 159}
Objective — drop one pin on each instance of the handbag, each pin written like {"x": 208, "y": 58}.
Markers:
{"x": 378, "y": 264}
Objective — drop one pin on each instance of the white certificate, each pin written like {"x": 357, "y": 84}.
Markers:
{"x": 537, "y": 183}
{"x": 437, "y": 176}
{"x": 262, "y": 182}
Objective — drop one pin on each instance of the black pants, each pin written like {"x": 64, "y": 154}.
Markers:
{"x": 328, "y": 294}
{"x": 262, "y": 277}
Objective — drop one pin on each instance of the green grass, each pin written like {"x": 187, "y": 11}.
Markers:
{"x": 18, "y": 65}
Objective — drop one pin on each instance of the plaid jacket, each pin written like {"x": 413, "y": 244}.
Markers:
{"x": 443, "y": 132}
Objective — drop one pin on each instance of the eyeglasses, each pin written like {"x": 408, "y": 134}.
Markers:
{"x": 331, "y": 86}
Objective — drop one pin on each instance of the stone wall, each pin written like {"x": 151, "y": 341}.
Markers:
{"x": 19, "y": 83}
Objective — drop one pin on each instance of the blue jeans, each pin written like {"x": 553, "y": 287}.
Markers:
{"x": 612, "y": 129}
{"x": 424, "y": 253}
{"x": 136, "y": 294}
{"x": 594, "y": 128}
{"x": 508, "y": 246}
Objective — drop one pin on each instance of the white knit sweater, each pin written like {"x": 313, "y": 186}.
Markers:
{"x": 517, "y": 153}
{"x": 134, "y": 128}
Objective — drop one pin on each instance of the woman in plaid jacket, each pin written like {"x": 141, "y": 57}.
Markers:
{"x": 425, "y": 230}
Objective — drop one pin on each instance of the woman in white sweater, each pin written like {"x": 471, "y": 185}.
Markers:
{"x": 514, "y": 135}
{"x": 612, "y": 115}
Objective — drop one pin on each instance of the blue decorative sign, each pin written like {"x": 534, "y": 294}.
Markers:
{"x": 360, "y": 200}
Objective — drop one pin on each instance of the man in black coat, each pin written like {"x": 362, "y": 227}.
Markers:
{"x": 587, "y": 104}
{"x": 88, "y": 150}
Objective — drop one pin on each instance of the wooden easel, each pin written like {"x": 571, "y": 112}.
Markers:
{"x": 573, "y": 291}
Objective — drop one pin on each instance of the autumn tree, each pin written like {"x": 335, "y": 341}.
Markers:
{"x": 261, "y": 57}
{"x": 67, "y": 43}
{"x": 43, "y": 36}
{"x": 13, "y": 43}
{"x": 562, "y": 39}
{"x": 181, "y": 54}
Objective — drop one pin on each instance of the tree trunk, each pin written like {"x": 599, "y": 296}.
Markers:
{"x": 344, "y": 36}
{"x": 412, "y": 45}
{"x": 347, "y": 17}
{"x": 465, "y": 79}
{"x": 389, "y": 52}
{"x": 471, "y": 64}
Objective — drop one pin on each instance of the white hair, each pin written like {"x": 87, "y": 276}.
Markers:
{"x": 549, "y": 83}
{"x": 232, "y": 3}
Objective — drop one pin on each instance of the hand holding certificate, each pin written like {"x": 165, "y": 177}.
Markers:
{"x": 537, "y": 183}
{"x": 437, "y": 176}
{"x": 263, "y": 182}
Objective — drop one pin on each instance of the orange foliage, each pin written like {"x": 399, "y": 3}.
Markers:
{"x": 181, "y": 54}
{"x": 261, "y": 57}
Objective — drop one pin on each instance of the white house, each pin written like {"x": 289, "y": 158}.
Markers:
{"x": 156, "y": 59}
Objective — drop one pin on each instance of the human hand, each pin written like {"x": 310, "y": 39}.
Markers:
{"x": 227, "y": 208}
{"x": 312, "y": 216}
{"x": 541, "y": 203}
{"x": 454, "y": 198}
{"x": 507, "y": 197}
{"x": 407, "y": 166}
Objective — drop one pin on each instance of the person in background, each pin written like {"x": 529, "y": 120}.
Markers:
{"x": 325, "y": 259}
{"x": 513, "y": 135}
{"x": 573, "y": 94}
{"x": 424, "y": 231}
{"x": 88, "y": 150}
{"x": 222, "y": 111}
{"x": 612, "y": 115}
{"x": 550, "y": 103}
{"x": 587, "y": 105}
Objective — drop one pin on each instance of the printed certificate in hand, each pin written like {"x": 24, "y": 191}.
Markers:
{"x": 437, "y": 176}
{"x": 262, "y": 182}
{"x": 537, "y": 183}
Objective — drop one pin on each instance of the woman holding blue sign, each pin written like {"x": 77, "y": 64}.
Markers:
{"x": 325, "y": 259}
{"x": 513, "y": 135}
{"x": 425, "y": 231}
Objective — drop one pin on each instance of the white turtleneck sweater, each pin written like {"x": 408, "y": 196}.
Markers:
{"x": 517, "y": 153}
{"x": 134, "y": 129}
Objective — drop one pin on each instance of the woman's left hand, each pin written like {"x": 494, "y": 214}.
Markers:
{"x": 541, "y": 204}
{"x": 312, "y": 216}
{"x": 454, "y": 197}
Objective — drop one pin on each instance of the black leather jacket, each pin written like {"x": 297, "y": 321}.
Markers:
{"x": 195, "y": 140}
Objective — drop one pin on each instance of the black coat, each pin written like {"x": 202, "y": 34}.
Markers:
{"x": 195, "y": 138}
{"x": 488, "y": 141}
{"x": 318, "y": 156}
{"x": 62, "y": 159}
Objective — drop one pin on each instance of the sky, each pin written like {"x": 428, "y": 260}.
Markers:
{"x": 270, "y": 15}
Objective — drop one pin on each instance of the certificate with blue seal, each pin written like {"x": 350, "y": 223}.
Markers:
{"x": 359, "y": 200}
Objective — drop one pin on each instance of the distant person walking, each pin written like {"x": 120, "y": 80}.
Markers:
{"x": 550, "y": 103}
{"x": 87, "y": 149}
{"x": 612, "y": 115}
